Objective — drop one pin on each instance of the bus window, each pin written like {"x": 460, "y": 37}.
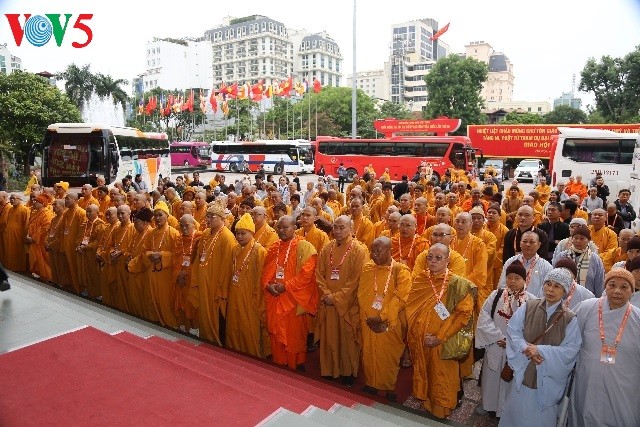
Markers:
{"x": 437, "y": 150}
{"x": 381, "y": 148}
{"x": 293, "y": 153}
{"x": 360, "y": 148}
{"x": 306, "y": 155}
{"x": 330, "y": 148}
{"x": 96, "y": 157}
{"x": 592, "y": 151}
{"x": 626, "y": 151}
{"x": 408, "y": 149}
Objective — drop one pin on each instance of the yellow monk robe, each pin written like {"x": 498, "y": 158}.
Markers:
{"x": 138, "y": 291}
{"x": 4, "y": 212}
{"x": 287, "y": 313}
{"x": 266, "y": 235}
{"x": 186, "y": 313}
{"x": 611, "y": 257}
{"x": 88, "y": 274}
{"x": 423, "y": 222}
{"x": 246, "y": 311}
{"x": 199, "y": 214}
{"x": 335, "y": 206}
{"x": 490, "y": 243}
{"x": 363, "y": 230}
{"x": 84, "y": 203}
{"x": 499, "y": 230}
{"x": 59, "y": 269}
{"x": 103, "y": 257}
{"x": 605, "y": 239}
{"x": 103, "y": 205}
{"x": 162, "y": 274}
{"x": 581, "y": 214}
{"x": 212, "y": 270}
{"x": 39, "y": 224}
{"x": 436, "y": 382}
{"x": 122, "y": 238}
{"x": 315, "y": 236}
{"x": 338, "y": 325}
{"x": 375, "y": 213}
{"x": 406, "y": 250}
{"x": 456, "y": 264}
{"x": 429, "y": 231}
{"x": 14, "y": 235}
{"x": 474, "y": 252}
{"x": 379, "y": 227}
{"x": 71, "y": 227}
{"x": 381, "y": 352}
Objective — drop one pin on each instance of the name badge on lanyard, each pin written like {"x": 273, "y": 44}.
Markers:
{"x": 280, "y": 273}
{"x": 442, "y": 311}
{"x": 377, "y": 303}
{"x": 186, "y": 261}
{"x": 335, "y": 274}
{"x": 608, "y": 354}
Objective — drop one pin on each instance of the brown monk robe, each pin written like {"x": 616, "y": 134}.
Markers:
{"x": 186, "y": 313}
{"x": 14, "y": 235}
{"x": 291, "y": 294}
{"x": 4, "y": 211}
{"x": 103, "y": 257}
{"x": 140, "y": 301}
{"x": 382, "y": 294}
{"x": 72, "y": 222}
{"x": 246, "y": 311}
{"x": 436, "y": 381}
{"x": 88, "y": 238}
{"x": 120, "y": 244}
{"x": 59, "y": 268}
{"x": 338, "y": 323}
{"x": 39, "y": 224}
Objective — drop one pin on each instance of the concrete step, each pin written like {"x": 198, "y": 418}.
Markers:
{"x": 360, "y": 417}
{"x": 412, "y": 415}
{"x": 283, "y": 417}
{"x": 392, "y": 418}
{"x": 329, "y": 419}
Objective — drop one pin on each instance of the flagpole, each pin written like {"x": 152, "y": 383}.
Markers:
{"x": 353, "y": 80}
{"x": 309, "y": 117}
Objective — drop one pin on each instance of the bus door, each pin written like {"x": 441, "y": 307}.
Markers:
{"x": 458, "y": 157}
{"x": 112, "y": 158}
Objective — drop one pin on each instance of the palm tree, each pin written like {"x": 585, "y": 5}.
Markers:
{"x": 79, "y": 83}
{"x": 105, "y": 86}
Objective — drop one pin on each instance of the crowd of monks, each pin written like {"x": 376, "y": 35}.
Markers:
{"x": 372, "y": 281}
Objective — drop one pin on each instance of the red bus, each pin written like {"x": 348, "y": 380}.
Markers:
{"x": 401, "y": 154}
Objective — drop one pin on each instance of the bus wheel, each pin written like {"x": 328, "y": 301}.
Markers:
{"x": 435, "y": 178}
{"x": 277, "y": 169}
{"x": 351, "y": 173}
{"x": 233, "y": 167}
{"x": 186, "y": 163}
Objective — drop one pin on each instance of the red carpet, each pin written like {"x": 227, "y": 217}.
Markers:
{"x": 89, "y": 377}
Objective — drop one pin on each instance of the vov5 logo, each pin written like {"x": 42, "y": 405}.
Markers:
{"x": 38, "y": 30}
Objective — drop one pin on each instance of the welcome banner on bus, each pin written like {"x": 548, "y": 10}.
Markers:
{"x": 530, "y": 141}
{"x": 68, "y": 160}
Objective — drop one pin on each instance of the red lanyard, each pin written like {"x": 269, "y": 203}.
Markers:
{"x": 286, "y": 257}
{"x": 622, "y": 325}
{"x": 533, "y": 264}
{"x": 413, "y": 242}
{"x": 246, "y": 258}
{"x": 333, "y": 267}
{"x": 444, "y": 285}
{"x": 386, "y": 285}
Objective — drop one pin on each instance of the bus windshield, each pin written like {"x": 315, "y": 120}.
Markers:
{"x": 74, "y": 155}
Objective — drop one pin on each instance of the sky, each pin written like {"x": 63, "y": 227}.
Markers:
{"x": 547, "y": 41}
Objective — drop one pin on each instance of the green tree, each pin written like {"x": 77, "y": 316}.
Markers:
{"x": 106, "y": 86}
{"x": 453, "y": 86}
{"x": 30, "y": 104}
{"x": 392, "y": 110}
{"x": 516, "y": 118}
{"x": 615, "y": 82}
{"x": 79, "y": 83}
{"x": 565, "y": 114}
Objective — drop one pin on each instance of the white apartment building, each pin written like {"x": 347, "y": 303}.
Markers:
{"x": 374, "y": 83}
{"x": 316, "y": 56}
{"x": 498, "y": 88}
{"x": 178, "y": 64}
{"x": 8, "y": 62}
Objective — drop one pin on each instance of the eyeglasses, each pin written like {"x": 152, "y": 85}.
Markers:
{"x": 435, "y": 258}
{"x": 440, "y": 234}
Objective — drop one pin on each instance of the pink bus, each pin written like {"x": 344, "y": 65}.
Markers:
{"x": 190, "y": 154}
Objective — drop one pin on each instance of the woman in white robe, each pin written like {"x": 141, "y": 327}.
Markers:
{"x": 605, "y": 389}
{"x": 577, "y": 293}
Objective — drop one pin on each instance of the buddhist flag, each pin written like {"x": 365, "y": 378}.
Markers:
{"x": 440, "y": 32}
{"x": 213, "y": 101}
{"x": 317, "y": 86}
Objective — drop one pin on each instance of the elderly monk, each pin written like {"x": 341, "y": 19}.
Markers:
{"x": 61, "y": 189}
{"x": 382, "y": 294}
{"x": 186, "y": 313}
{"x": 308, "y": 230}
{"x": 362, "y": 226}
{"x": 140, "y": 300}
{"x": 393, "y": 224}
{"x": 104, "y": 201}
{"x": 479, "y": 230}
{"x": 200, "y": 211}
{"x": 72, "y": 222}
{"x": 439, "y": 305}
{"x": 443, "y": 216}
{"x": 499, "y": 230}
{"x": 475, "y": 254}
{"x": 406, "y": 247}
{"x": 211, "y": 274}
{"x": 118, "y": 253}
{"x": 246, "y": 315}
{"x": 379, "y": 209}
{"x": 618, "y": 257}
{"x": 604, "y": 238}
{"x": 15, "y": 234}
{"x": 87, "y": 197}
{"x": 442, "y": 233}
{"x": 86, "y": 246}
{"x": 39, "y": 224}
{"x": 5, "y": 206}
{"x": 265, "y": 234}
{"x": 291, "y": 294}
{"x": 383, "y": 224}
{"x": 103, "y": 259}
{"x": 59, "y": 269}
{"x": 339, "y": 266}
{"x": 162, "y": 257}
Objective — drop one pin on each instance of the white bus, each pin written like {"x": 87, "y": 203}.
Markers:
{"x": 586, "y": 152}
{"x": 78, "y": 152}
{"x": 243, "y": 156}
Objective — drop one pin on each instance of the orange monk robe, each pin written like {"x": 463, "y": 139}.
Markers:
{"x": 4, "y": 212}
{"x": 436, "y": 381}
{"x": 39, "y": 224}
{"x": 271, "y": 216}
{"x": 389, "y": 234}
{"x": 423, "y": 222}
{"x": 199, "y": 214}
{"x": 59, "y": 269}
{"x": 577, "y": 188}
{"x": 455, "y": 210}
{"x": 211, "y": 274}
{"x": 176, "y": 207}
{"x": 405, "y": 250}
{"x": 341, "y": 198}
{"x": 162, "y": 274}
{"x": 71, "y": 227}
{"x": 581, "y": 214}
{"x": 138, "y": 291}
{"x": 335, "y": 206}
{"x": 266, "y": 235}
{"x": 103, "y": 205}
{"x": 14, "y": 235}
{"x": 246, "y": 311}
{"x": 315, "y": 236}
{"x": 605, "y": 239}
{"x": 467, "y": 205}
{"x": 103, "y": 259}
{"x": 490, "y": 243}
{"x": 363, "y": 230}
{"x": 381, "y": 352}
{"x": 122, "y": 238}
{"x": 429, "y": 231}
{"x": 543, "y": 191}
{"x": 338, "y": 325}
{"x": 186, "y": 313}
{"x": 88, "y": 274}
{"x": 375, "y": 212}
{"x": 84, "y": 202}
{"x": 456, "y": 264}
{"x": 475, "y": 254}
{"x": 463, "y": 198}
{"x": 287, "y": 313}
{"x": 379, "y": 227}
{"x": 499, "y": 230}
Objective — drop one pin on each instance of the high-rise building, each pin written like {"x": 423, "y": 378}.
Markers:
{"x": 8, "y": 62}
{"x": 569, "y": 99}
{"x": 499, "y": 85}
{"x": 374, "y": 83}
{"x": 316, "y": 56}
